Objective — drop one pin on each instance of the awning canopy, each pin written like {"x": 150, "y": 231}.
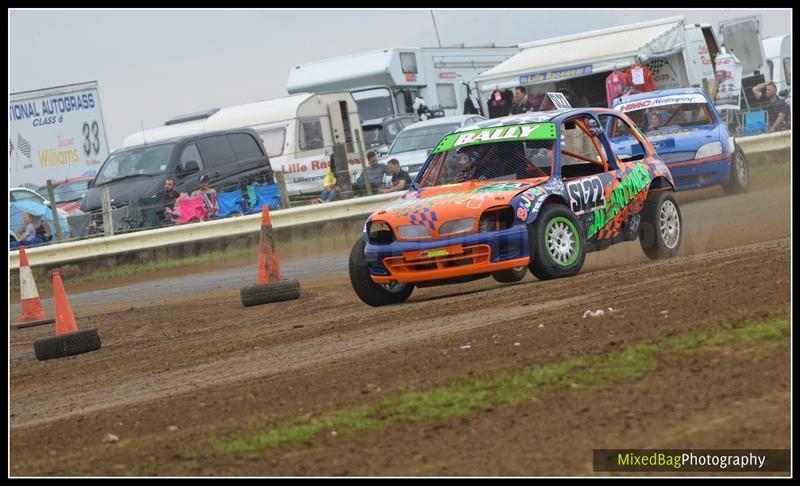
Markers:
{"x": 590, "y": 52}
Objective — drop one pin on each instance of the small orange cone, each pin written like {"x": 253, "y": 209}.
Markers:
{"x": 65, "y": 321}
{"x": 32, "y": 309}
{"x": 269, "y": 268}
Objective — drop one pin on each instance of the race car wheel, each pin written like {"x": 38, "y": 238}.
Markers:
{"x": 68, "y": 344}
{"x": 662, "y": 226}
{"x": 271, "y": 292}
{"x": 511, "y": 275}
{"x": 740, "y": 174}
{"x": 368, "y": 291}
{"x": 558, "y": 245}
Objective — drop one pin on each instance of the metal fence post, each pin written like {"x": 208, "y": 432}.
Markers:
{"x": 367, "y": 185}
{"x": 285, "y": 204}
{"x": 108, "y": 222}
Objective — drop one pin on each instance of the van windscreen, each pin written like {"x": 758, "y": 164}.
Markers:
{"x": 136, "y": 162}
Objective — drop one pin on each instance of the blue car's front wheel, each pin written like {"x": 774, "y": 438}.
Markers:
{"x": 558, "y": 246}
{"x": 368, "y": 291}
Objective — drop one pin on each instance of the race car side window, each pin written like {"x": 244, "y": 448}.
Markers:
{"x": 623, "y": 134}
{"x": 582, "y": 153}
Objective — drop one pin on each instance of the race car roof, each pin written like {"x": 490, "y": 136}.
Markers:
{"x": 657, "y": 94}
{"x": 585, "y": 53}
{"x": 536, "y": 117}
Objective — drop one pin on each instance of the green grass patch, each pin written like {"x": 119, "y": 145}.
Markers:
{"x": 464, "y": 398}
{"x": 767, "y": 330}
{"x": 770, "y": 170}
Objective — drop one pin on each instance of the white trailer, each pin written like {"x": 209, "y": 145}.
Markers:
{"x": 386, "y": 82}
{"x": 677, "y": 53}
{"x": 778, "y": 50}
{"x": 55, "y": 133}
{"x": 298, "y": 132}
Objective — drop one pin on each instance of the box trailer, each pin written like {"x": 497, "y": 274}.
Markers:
{"x": 387, "y": 82}
{"x": 298, "y": 132}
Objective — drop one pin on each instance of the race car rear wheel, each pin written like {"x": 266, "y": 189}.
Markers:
{"x": 368, "y": 291}
{"x": 740, "y": 174}
{"x": 661, "y": 227}
{"x": 511, "y": 275}
{"x": 558, "y": 245}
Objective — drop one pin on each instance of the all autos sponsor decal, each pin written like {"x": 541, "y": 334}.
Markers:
{"x": 522, "y": 132}
{"x": 663, "y": 101}
{"x": 526, "y": 202}
{"x": 630, "y": 188}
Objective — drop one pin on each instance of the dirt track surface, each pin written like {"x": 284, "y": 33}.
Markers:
{"x": 211, "y": 367}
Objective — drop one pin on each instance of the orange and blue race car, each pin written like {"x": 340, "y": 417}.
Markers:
{"x": 534, "y": 191}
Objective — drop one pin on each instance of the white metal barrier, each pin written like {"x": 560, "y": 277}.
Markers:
{"x": 767, "y": 142}
{"x": 71, "y": 251}
{"x": 284, "y": 218}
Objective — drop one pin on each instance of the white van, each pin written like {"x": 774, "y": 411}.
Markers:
{"x": 298, "y": 133}
{"x": 778, "y": 50}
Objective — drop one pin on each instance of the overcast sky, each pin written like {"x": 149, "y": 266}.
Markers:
{"x": 153, "y": 65}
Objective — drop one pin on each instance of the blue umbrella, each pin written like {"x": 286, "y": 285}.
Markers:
{"x": 17, "y": 209}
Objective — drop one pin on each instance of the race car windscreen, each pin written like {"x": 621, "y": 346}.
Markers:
{"x": 667, "y": 117}
{"x": 493, "y": 154}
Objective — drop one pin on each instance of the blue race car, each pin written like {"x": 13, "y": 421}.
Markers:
{"x": 688, "y": 134}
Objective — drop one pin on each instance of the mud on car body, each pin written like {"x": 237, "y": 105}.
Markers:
{"x": 535, "y": 191}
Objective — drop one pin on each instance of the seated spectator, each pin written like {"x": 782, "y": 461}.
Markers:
{"x": 34, "y": 231}
{"x": 330, "y": 187}
{"x": 400, "y": 178}
{"x": 170, "y": 195}
{"x": 777, "y": 110}
{"x": 209, "y": 196}
{"x": 374, "y": 173}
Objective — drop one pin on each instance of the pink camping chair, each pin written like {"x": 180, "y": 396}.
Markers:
{"x": 189, "y": 209}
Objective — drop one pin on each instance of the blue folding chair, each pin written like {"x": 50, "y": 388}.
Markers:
{"x": 755, "y": 122}
{"x": 268, "y": 194}
{"x": 230, "y": 203}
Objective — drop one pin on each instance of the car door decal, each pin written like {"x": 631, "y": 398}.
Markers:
{"x": 586, "y": 194}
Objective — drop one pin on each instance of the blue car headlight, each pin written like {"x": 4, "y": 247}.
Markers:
{"x": 709, "y": 150}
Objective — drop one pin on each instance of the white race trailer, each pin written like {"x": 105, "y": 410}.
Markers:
{"x": 386, "y": 82}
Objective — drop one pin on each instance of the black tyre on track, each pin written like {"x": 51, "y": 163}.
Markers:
{"x": 272, "y": 292}
{"x": 65, "y": 345}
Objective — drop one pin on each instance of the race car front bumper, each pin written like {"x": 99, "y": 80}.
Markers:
{"x": 446, "y": 258}
{"x": 699, "y": 173}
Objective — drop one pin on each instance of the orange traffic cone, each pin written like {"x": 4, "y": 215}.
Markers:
{"x": 65, "y": 321}
{"x": 271, "y": 286}
{"x": 68, "y": 340}
{"x": 32, "y": 309}
{"x": 269, "y": 267}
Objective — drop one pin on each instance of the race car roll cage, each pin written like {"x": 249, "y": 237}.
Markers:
{"x": 587, "y": 121}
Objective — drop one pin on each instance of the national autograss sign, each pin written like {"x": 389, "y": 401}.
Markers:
{"x": 508, "y": 133}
